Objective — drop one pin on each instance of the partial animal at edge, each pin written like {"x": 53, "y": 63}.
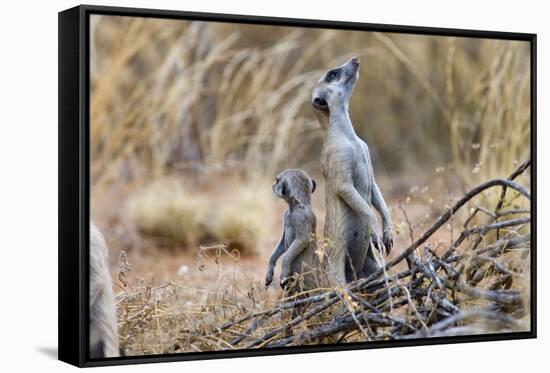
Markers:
{"x": 103, "y": 321}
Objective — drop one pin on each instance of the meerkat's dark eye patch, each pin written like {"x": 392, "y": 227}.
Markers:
{"x": 332, "y": 75}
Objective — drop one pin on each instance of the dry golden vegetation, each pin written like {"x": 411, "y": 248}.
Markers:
{"x": 190, "y": 123}
{"x": 165, "y": 210}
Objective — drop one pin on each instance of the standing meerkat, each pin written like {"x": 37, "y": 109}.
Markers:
{"x": 351, "y": 192}
{"x": 297, "y": 244}
{"x": 103, "y": 320}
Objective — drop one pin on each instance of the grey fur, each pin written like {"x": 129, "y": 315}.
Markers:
{"x": 103, "y": 320}
{"x": 351, "y": 191}
{"x": 297, "y": 244}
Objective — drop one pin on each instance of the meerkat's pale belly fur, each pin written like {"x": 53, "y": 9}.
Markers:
{"x": 103, "y": 321}
{"x": 345, "y": 228}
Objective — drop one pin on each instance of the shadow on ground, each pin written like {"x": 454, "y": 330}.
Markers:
{"x": 50, "y": 352}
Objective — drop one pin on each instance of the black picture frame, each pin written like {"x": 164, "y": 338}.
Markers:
{"x": 74, "y": 187}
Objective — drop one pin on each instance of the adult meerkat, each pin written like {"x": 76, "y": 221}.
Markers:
{"x": 103, "y": 321}
{"x": 297, "y": 244}
{"x": 351, "y": 191}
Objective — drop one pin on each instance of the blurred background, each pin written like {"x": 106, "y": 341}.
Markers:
{"x": 192, "y": 121}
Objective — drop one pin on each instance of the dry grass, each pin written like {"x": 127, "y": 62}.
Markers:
{"x": 168, "y": 212}
{"x": 164, "y": 210}
{"x": 169, "y": 96}
{"x": 201, "y": 104}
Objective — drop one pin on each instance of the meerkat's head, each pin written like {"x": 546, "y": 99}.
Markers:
{"x": 334, "y": 88}
{"x": 294, "y": 186}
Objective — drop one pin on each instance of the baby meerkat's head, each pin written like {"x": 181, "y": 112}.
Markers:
{"x": 334, "y": 88}
{"x": 294, "y": 186}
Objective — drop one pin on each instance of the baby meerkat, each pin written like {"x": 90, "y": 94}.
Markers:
{"x": 351, "y": 192}
{"x": 297, "y": 242}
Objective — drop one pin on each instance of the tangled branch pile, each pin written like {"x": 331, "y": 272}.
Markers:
{"x": 478, "y": 283}
{"x": 467, "y": 290}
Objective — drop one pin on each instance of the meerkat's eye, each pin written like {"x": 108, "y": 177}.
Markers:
{"x": 332, "y": 76}
{"x": 284, "y": 189}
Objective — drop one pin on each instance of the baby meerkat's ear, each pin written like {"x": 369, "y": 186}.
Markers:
{"x": 313, "y": 185}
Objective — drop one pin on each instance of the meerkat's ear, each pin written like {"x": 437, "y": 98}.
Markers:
{"x": 313, "y": 185}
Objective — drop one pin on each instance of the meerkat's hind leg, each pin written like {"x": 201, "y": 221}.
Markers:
{"x": 370, "y": 265}
{"x": 352, "y": 273}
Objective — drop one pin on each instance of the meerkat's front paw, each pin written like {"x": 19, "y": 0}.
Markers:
{"x": 375, "y": 239}
{"x": 387, "y": 239}
{"x": 268, "y": 278}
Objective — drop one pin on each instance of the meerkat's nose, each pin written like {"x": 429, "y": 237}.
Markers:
{"x": 354, "y": 60}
